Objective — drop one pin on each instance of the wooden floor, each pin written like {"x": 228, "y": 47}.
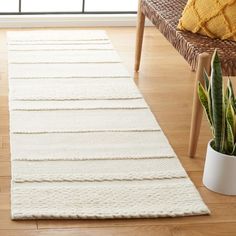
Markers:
{"x": 166, "y": 82}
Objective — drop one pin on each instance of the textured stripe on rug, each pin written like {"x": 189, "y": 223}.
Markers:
{"x": 84, "y": 143}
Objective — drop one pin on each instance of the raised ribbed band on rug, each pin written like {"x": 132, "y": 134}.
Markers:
{"x": 84, "y": 143}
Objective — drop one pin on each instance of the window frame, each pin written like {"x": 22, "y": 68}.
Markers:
{"x": 83, "y": 12}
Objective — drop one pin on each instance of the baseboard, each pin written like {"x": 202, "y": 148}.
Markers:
{"x": 26, "y": 21}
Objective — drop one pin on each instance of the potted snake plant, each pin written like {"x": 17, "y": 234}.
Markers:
{"x": 220, "y": 109}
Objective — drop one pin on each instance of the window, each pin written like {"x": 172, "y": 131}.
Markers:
{"x": 9, "y": 5}
{"x": 21, "y": 7}
{"x": 51, "y": 5}
{"x": 110, "y": 5}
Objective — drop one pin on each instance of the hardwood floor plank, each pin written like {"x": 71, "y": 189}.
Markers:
{"x": 5, "y": 184}
{"x": 5, "y": 168}
{"x": 212, "y": 197}
{"x": 7, "y": 224}
{"x": 108, "y": 231}
{"x": 196, "y": 177}
{"x": 228, "y": 229}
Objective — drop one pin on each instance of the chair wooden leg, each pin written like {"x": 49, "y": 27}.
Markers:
{"x": 203, "y": 62}
{"x": 139, "y": 37}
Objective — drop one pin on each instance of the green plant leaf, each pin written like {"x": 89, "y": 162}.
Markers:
{"x": 229, "y": 139}
{"x": 218, "y": 108}
{"x": 230, "y": 94}
{"x": 231, "y": 89}
{"x": 234, "y": 150}
{"x": 206, "y": 79}
{"x": 234, "y": 130}
{"x": 210, "y": 105}
{"x": 230, "y": 116}
{"x": 204, "y": 99}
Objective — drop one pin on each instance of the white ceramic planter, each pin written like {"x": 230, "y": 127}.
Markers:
{"x": 220, "y": 172}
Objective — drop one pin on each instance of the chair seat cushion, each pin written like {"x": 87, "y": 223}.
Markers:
{"x": 165, "y": 14}
{"x": 219, "y": 22}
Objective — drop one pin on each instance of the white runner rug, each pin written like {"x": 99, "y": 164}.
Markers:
{"x": 84, "y": 143}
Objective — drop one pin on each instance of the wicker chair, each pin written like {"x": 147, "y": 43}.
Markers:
{"x": 195, "y": 48}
